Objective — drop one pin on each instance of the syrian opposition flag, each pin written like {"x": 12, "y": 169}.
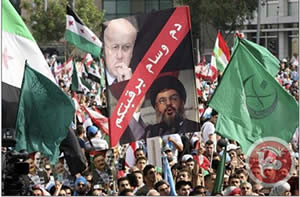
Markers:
{"x": 92, "y": 68}
{"x": 221, "y": 53}
{"x": 80, "y": 35}
{"x": 18, "y": 45}
{"x": 68, "y": 66}
{"x": 39, "y": 90}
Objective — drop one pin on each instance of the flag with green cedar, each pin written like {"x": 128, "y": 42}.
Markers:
{"x": 80, "y": 35}
{"x": 250, "y": 102}
{"x": 44, "y": 115}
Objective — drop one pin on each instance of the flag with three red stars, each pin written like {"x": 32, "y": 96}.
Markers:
{"x": 80, "y": 35}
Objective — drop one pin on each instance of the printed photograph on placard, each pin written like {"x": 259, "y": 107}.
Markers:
{"x": 150, "y": 75}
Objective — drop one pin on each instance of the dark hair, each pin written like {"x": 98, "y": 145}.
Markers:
{"x": 147, "y": 169}
{"x": 213, "y": 113}
{"x": 122, "y": 179}
{"x": 179, "y": 184}
{"x": 209, "y": 142}
{"x": 140, "y": 158}
{"x": 132, "y": 179}
{"x": 125, "y": 191}
{"x": 159, "y": 183}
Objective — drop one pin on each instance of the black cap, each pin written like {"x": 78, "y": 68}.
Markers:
{"x": 166, "y": 82}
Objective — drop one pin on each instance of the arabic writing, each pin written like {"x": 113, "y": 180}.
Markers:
{"x": 123, "y": 109}
{"x": 131, "y": 94}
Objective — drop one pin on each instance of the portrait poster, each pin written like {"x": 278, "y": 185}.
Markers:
{"x": 150, "y": 75}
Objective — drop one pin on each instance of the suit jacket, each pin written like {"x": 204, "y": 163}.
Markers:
{"x": 160, "y": 129}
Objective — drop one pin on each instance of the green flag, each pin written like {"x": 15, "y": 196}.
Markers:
{"x": 250, "y": 102}
{"x": 220, "y": 174}
{"x": 44, "y": 115}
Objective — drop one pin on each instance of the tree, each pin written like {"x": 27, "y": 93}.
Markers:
{"x": 48, "y": 25}
{"x": 224, "y": 15}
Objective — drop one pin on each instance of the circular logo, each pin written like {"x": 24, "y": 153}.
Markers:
{"x": 269, "y": 161}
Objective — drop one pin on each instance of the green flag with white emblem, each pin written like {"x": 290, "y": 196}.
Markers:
{"x": 44, "y": 116}
{"x": 250, "y": 102}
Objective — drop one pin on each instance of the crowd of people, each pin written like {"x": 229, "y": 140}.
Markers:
{"x": 192, "y": 157}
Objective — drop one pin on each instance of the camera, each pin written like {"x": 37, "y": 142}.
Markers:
{"x": 13, "y": 169}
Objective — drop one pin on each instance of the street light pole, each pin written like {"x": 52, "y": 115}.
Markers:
{"x": 258, "y": 21}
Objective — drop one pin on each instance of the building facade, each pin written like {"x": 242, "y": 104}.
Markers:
{"x": 279, "y": 29}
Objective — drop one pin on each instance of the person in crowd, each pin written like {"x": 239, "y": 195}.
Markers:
{"x": 139, "y": 177}
{"x": 209, "y": 150}
{"x": 163, "y": 188}
{"x": 246, "y": 189}
{"x": 209, "y": 182}
{"x": 101, "y": 172}
{"x": 184, "y": 175}
{"x": 183, "y": 188}
{"x": 168, "y": 97}
{"x": 95, "y": 143}
{"x": 168, "y": 151}
{"x": 140, "y": 163}
{"x": 234, "y": 180}
{"x": 150, "y": 178}
{"x": 281, "y": 189}
{"x": 174, "y": 142}
{"x": 208, "y": 128}
{"x": 123, "y": 183}
{"x": 139, "y": 152}
{"x": 152, "y": 192}
{"x": 80, "y": 187}
{"x": 126, "y": 192}
{"x": 199, "y": 191}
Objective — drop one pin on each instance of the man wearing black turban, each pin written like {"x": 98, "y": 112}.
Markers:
{"x": 168, "y": 97}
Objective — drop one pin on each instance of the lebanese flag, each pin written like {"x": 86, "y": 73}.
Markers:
{"x": 202, "y": 161}
{"x": 68, "y": 66}
{"x": 78, "y": 112}
{"x": 80, "y": 35}
{"x": 221, "y": 53}
{"x": 100, "y": 120}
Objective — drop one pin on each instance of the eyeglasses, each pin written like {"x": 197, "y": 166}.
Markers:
{"x": 163, "y": 100}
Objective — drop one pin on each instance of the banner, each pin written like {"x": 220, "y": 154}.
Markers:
{"x": 143, "y": 54}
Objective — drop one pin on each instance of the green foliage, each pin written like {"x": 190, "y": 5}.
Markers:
{"x": 49, "y": 26}
{"x": 223, "y": 15}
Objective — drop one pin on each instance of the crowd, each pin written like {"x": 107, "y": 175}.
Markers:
{"x": 192, "y": 157}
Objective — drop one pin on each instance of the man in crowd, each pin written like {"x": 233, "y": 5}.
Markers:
{"x": 168, "y": 97}
{"x": 162, "y": 187}
{"x": 123, "y": 183}
{"x": 183, "y": 188}
{"x": 150, "y": 177}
